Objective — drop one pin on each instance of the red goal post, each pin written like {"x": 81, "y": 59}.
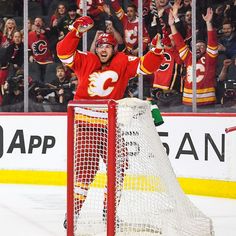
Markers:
{"x": 111, "y": 109}
{"x": 120, "y": 181}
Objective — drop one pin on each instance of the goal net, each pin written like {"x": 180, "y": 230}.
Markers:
{"x": 120, "y": 180}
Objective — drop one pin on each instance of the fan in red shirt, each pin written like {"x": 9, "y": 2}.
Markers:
{"x": 103, "y": 75}
{"x": 130, "y": 24}
{"x": 206, "y": 54}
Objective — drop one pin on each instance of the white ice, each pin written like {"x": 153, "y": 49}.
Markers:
{"x": 29, "y": 210}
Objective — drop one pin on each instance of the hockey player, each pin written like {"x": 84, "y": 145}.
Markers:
{"x": 103, "y": 75}
{"x": 106, "y": 66}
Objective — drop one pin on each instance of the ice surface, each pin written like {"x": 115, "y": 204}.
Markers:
{"x": 31, "y": 210}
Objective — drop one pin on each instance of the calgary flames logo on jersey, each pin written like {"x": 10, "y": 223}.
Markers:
{"x": 166, "y": 64}
{"x": 200, "y": 71}
{"x": 131, "y": 35}
{"x": 39, "y": 47}
{"x": 99, "y": 83}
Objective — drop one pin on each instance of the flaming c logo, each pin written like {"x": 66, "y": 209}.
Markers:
{"x": 39, "y": 47}
{"x": 97, "y": 82}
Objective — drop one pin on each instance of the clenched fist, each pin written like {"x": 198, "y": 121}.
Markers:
{"x": 81, "y": 25}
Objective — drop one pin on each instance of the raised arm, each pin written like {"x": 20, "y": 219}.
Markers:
{"x": 224, "y": 71}
{"x": 118, "y": 9}
{"x": 212, "y": 42}
{"x": 67, "y": 47}
{"x": 171, "y": 22}
{"x": 208, "y": 19}
{"x": 93, "y": 44}
{"x": 152, "y": 60}
{"x": 184, "y": 51}
{"x": 110, "y": 25}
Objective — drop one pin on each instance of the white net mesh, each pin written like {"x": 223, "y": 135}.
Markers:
{"x": 149, "y": 200}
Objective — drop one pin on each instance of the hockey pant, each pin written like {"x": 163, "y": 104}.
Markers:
{"x": 91, "y": 145}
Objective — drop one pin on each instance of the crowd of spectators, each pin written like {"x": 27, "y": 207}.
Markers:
{"x": 51, "y": 83}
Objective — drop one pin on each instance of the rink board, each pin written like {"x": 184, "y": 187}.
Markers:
{"x": 33, "y": 150}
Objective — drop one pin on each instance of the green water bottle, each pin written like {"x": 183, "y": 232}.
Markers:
{"x": 156, "y": 114}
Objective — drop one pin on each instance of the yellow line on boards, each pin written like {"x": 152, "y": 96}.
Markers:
{"x": 204, "y": 187}
{"x": 208, "y": 187}
{"x": 33, "y": 177}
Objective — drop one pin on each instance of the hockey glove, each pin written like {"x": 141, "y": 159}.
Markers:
{"x": 157, "y": 46}
{"x": 166, "y": 39}
{"x": 81, "y": 25}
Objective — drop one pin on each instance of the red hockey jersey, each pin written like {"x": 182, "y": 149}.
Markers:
{"x": 110, "y": 82}
{"x": 39, "y": 46}
{"x": 5, "y": 42}
{"x": 205, "y": 70}
{"x": 165, "y": 77}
